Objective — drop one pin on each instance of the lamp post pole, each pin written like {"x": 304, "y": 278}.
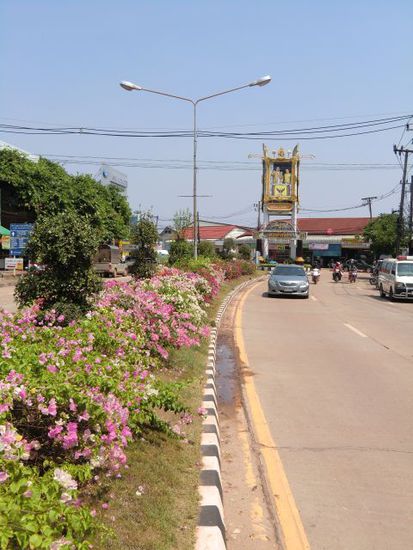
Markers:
{"x": 130, "y": 86}
{"x": 194, "y": 185}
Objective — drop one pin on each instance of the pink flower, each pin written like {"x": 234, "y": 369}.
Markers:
{"x": 28, "y": 493}
{"x": 3, "y": 476}
{"x": 84, "y": 416}
{"x": 51, "y": 409}
{"x": 105, "y": 506}
{"x": 54, "y": 432}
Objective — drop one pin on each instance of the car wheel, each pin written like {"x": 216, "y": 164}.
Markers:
{"x": 382, "y": 293}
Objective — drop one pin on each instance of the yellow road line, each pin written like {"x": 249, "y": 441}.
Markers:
{"x": 288, "y": 515}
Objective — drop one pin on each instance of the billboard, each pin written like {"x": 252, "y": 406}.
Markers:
{"x": 280, "y": 180}
{"x": 109, "y": 176}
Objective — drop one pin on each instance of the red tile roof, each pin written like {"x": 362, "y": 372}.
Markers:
{"x": 209, "y": 232}
{"x": 333, "y": 226}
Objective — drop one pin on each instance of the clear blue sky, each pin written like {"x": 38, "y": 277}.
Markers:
{"x": 331, "y": 62}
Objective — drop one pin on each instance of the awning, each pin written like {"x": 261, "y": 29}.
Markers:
{"x": 4, "y": 231}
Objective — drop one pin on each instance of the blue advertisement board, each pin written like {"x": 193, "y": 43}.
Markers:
{"x": 19, "y": 235}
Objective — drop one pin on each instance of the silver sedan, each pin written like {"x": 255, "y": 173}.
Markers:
{"x": 288, "y": 279}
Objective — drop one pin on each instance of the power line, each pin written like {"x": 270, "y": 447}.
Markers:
{"x": 316, "y": 132}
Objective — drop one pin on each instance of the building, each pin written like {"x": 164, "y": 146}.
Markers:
{"x": 323, "y": 238}
{"x": 109, "y": 176}
{"x": 328, "y": 238}
{"x": 210, "y": 231}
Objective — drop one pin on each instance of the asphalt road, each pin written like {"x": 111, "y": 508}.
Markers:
{"x": 334, "y": 375}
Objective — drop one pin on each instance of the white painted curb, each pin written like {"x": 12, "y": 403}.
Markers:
{"x": 210, "y": 532}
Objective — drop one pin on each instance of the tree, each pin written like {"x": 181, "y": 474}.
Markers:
{"x": 44, "y": 188}
{"x": 180, "y": 250}
{"x": 244, "y": 252}
{"x": 228, "y": 248}
{"x": 382, "y": 232}
{"x": 182, "y": 219}
{"x": 145, "y": 236}
{"x": 65, "y": 244}
{"x": 206, "y": 249}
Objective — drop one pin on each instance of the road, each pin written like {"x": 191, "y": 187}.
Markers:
{"x": 7, "y": 299}
{"x": 334, "y": 378}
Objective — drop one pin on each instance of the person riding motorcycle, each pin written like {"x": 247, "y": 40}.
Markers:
{"x": 315, "y": 275}
{"x": 337, "y": 271}
{"x": 352, "y": 273}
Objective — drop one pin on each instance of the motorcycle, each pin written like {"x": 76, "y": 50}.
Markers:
{"x": 315, "y": 275}
{"x": 373, "y": 280}
{"x": 337, "y": 275}
{"x": 352, "y": 276}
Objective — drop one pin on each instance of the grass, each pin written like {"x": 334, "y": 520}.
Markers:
{"x": 163, "y": 469}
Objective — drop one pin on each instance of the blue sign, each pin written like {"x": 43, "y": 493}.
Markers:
{"x": 19, "y": 235}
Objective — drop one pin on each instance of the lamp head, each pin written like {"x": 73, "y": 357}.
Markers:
{"x": 129, "y": 86}
{"x": 261, "y": 81}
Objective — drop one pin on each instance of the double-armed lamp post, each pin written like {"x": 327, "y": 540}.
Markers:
{"x": 130, "y": 86}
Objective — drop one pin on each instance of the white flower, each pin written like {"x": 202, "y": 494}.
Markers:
{"x": 65, "y": 479}
{"x": 96, "y": 462}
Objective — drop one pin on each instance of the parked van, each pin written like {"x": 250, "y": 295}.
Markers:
{"x": 108, "y": 262}
{"x": 396, "y": 277}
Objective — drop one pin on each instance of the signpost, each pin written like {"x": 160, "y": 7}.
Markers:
{"x": 19, "y": 235}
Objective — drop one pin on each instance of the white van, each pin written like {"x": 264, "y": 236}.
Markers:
{"x": 396, "y": 277}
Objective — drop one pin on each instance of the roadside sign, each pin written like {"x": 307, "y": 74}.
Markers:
{"x": 19, "y": 235}
{"x": 13, "y": 264}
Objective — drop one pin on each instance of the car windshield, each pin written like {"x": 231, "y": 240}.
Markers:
{"x": 289, "y": 270}
{"x": 405, "y": 269}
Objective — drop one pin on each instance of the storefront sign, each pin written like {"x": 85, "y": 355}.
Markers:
{"x": 355, "y": 244}
{"x": 318, "y": 246}
{"x": 5, "y": 242}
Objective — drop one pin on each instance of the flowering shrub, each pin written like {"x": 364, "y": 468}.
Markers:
{"x": 73, "y": 395}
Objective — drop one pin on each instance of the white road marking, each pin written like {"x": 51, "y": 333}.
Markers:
{"x": 355, "y": 330}
{"x": 314, "y": 298}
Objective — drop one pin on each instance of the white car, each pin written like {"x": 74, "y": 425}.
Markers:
{"x": 395, "y": 278}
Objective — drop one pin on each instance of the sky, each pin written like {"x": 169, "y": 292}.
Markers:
{"x": 331, "y": 63}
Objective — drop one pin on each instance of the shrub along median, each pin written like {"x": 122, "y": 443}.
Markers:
{"x": 78, "y": 399}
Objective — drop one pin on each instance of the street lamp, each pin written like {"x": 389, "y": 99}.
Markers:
{"x": 130, "y": 87}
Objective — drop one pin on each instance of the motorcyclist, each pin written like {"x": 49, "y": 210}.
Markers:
{"x": 315, "y": 274}
{"x": 352, "y": 272}
{"x": 337, "y": 271}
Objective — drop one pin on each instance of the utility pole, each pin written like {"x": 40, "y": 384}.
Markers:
{"x": 258, "y": 245}
{"x": 411, "y": 218}
{"x": 257, "y": 205}
{"x": 368, "y": 201}
{"x": 400, "y": 225}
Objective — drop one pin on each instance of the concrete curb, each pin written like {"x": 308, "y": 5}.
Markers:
{"x": 210, "y": 532}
